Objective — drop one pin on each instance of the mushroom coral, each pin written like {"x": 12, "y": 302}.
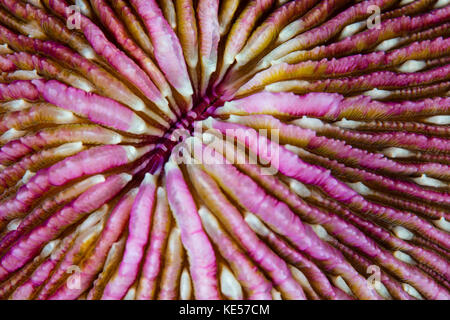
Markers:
{"x": 261, "y": 149}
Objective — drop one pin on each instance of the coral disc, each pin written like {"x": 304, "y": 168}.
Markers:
{"x": 233, "y": 149}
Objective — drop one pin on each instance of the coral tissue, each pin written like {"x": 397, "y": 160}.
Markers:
{"x": 233, "y": 149}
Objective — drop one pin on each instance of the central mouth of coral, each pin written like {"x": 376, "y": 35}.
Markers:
{"x": 180, "y": 130}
